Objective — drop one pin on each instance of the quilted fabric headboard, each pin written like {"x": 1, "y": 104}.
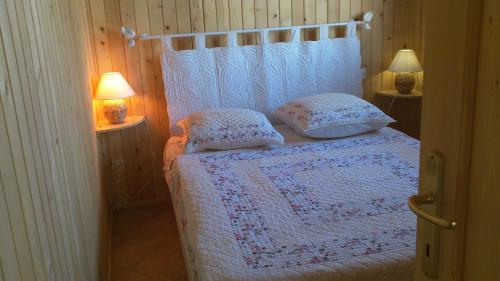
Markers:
{"x": 261, "y": 77}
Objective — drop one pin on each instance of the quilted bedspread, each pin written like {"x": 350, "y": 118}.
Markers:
{"x": 309, "y": 210}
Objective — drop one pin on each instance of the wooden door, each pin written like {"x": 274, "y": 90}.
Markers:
{"x": 461, "y": 120}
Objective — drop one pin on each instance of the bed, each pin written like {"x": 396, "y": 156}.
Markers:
{"x": 309, "y": 210}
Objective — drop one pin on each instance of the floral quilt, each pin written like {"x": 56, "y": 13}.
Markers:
{"x": 322, "y": 210}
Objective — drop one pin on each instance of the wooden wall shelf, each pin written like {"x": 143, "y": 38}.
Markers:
{"x": 104, "y": 126}
{"x": 395, "y": 94}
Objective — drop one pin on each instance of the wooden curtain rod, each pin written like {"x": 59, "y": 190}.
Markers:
{"x": 131, "y": 35}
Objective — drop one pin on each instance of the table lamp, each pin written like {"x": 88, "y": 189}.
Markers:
{"x": 404, "y": 64}
{"x": 112, "y": 89}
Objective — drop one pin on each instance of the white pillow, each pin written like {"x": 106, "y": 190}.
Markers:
{"x": 332, "y": 115}
{"x": 227, "y": 128}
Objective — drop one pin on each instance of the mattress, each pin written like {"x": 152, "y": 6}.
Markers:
{"x": 308, "y": 210}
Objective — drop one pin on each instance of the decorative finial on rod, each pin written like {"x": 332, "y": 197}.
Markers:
{"x": 131, "y": 35}
{"x": 367, "y": 19}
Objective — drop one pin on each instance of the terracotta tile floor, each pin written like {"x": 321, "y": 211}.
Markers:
{"x": 145, "y": 245}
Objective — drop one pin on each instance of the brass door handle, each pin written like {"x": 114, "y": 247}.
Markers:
{"x": 415, "y": 201}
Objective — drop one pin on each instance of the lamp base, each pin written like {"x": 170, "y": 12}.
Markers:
{"x": 404, "y": 83}
{"x": 115, "y": 111}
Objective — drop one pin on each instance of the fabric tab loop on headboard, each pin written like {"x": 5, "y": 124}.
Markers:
{"x": 167, "y": 44}
{"x": 351, "y": 29}
{"x": 295, "y": 35}
{"x": 232, "y": 39}
{"x": 200, "y": 41}
{"x": 264, "y": 36}
{"x": 323, "y": 32}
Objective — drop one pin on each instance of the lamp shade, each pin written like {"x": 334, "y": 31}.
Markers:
{"x": 405, "y": 61}
{"x": 113, "y": 86}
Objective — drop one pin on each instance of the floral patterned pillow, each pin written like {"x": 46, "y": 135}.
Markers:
{"x": 227, "y": 128}
{"x": 332, "y": 115}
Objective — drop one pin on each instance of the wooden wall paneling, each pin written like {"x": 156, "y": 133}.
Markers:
{"x": 405, "y": 111}
{"x": 135, "y": 143}
{"x": 118, "y": 172}
{"x": 106, "y": 165}
{"x": 222, "y": 15}
{"x": 169, "y": 16}
{"x": 44, "y": 127}
{"x": 273, "y": 13}
{"x": 112, "y": 27}
{"x": 210, "y": 19}
{"x": 210, "y": 15}
{"x": 310, "y": 18}
{"x": 321, "y": 11}
{"x": 309, "y": 12}
{"x": 109, "y": 41}
{"x": 55, "y": 63}
{"x": 356, "y": 14}
{"x": 248, "y": 13}
{"x": 333, "y": 15}
{"x": 29, "y": 81}
{"x": 261, "y": 13}
{"x": 8, "y": 257}
{"x": 273, "y": 18}
{"x": 298, "y": 12}
{"x": 32, "y": 109}
{"x": 125, "y": 16}
{"x": 48, "y": 202}
{"x": 417, "y": 25}
{"x": 124, "y": 143}
{"x": 98, "y": 15}
{"x": 184, "y": 23}
{"x": 87, "y": 200}
{"x": 158, "y": 26}
{"x": 333, "y": 10}
{"x": 285, "y": 15}
{"x": 377, "y": 34}
{"x": 235, "y": 17}
{"x": 170, "y": 24}
{"x": 285, "y": 12}
{"x": 157, "y": 23}
{"x": 14, "y": 232}
{"x": 196, "y": 14}
{"x": 402, "y": 18}
{"x": 482, "y": 243}
{"x": 149, "y": 81}
{"x": 356, "y": 7}
{"x": 388, "y": 45}
{"x": 248, "y": 19}
{"x": 183, "y": 16}
{"x": 345, "y": 10}
{"x": 99, "y": 19}
{"x": 452, "y": 49}
{"x": 19, "y": 141}
{"x": 367, "y": 52}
